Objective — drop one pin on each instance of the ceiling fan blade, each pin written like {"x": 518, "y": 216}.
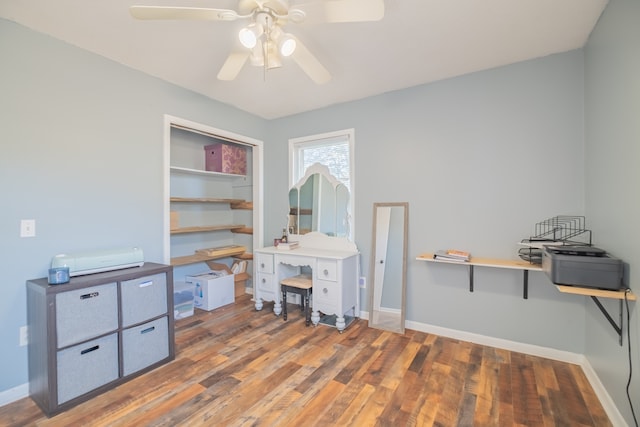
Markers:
{"x": 190, "y": 13}
{"x": 310, "y": 64}
{"x": 342, "y": 11}
{"x": 232, "y": 66}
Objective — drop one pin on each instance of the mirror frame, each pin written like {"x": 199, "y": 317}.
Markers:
{"x": 323, "y": 173}
{"x": 372, "y": 276}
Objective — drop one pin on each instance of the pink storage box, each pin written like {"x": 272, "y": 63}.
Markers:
{"x": 225, "y": 158}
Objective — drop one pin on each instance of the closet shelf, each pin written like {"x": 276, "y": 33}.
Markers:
{"x": 233, "y": 203}
{"x": 205, "y": 255}
{"x": 202, "y": 172}
{"x": 242, "y": 230}
{"x": 238, "y": 228}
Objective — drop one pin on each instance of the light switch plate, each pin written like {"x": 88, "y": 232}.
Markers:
{"x": 28, "y": 228}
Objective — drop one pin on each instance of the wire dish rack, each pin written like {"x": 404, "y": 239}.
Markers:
{"x": 560, "y": 230}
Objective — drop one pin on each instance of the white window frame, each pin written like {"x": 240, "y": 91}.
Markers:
{"x": 295, "y": 174}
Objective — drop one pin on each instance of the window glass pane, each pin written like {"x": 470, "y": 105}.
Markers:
{"x": 334, "y": 155}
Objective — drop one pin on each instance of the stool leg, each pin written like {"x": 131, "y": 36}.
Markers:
{"x": 307, "y": 320}
{"x": 284, "y": 304}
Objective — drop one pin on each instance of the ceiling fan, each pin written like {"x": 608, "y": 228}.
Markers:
{"x": 264, "y": 41}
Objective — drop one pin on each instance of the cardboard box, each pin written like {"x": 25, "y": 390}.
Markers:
{"x": 183, "y": 299}
{"x": 213, "y": 289}
{"x": 226, "y": 158}
{"x": 238, "y": 279}
{"x": 174, "y": 220}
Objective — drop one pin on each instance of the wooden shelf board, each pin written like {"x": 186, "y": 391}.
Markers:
{"x": 242, "y": 230}
{"x": 202, "y": 172}
{"x": 245, "y": 256}
{"x": 591, "y": 292}
{"x": 200, "y": 229}
{"x": 192, "y": 259}
{"x": 242, "y": 204}
{"x": 485, "y": 262}
{"x": 204, "y": 200}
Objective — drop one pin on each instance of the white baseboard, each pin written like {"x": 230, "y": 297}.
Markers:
{"x": 14, "y": 394}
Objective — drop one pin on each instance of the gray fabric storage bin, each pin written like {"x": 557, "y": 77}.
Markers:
{"x": 144, "y": 345}
{"x": 143, "y": 298}
{"x": 85, "y": 313}
{"x": 87, "y": 366}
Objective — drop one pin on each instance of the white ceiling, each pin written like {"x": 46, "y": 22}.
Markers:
{"x": 418, "y": 41}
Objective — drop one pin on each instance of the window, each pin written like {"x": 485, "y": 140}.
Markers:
{"x": 334, "y": 150}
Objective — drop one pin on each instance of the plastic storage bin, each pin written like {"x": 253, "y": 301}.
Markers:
{"x": 183, "y": 299}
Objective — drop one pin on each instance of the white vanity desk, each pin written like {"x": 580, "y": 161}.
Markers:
{"x": 334, "y": 266}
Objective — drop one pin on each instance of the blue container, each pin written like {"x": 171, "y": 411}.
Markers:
{"x": 58, "y": 275}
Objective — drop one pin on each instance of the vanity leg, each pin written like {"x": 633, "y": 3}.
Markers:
{"x": 340, "y": 324}
{"x": 258, "y": 304}
{"x": 315, "y": 317}
{"x": 277, "y": 308}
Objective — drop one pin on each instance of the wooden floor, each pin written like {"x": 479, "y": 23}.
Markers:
{"x": 239, "y": 367}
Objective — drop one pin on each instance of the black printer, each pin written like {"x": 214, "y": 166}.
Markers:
{"x": 584, "y": 266}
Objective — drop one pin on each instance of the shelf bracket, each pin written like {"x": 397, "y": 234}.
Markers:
{"x": 604, "y": 311}
{"x": 525, "y": 283}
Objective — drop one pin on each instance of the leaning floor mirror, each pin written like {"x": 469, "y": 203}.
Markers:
{"x": 387, "y": 296}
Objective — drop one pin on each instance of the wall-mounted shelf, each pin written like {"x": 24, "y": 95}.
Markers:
{"x": 490, "y": 262}
{"x": 576, "y": 290}
{"x": 622, "y": 295}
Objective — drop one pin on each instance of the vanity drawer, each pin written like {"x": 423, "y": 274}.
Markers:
{"x": 326, "y": 296}
{"x": 327, "y": 269}
{"x": 266, "y": 282}
{"x": 264, "y": 263}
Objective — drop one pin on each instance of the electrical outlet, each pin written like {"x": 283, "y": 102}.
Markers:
{"x": 362, "y": 282}
{"x": 24, "y": 335}
{"x": 28, "y": 228}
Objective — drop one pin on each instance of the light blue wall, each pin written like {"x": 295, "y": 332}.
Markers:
{"x": 612, "y": 117}
{"x": 480, "y": 159}
{"x": 81, "y": 153}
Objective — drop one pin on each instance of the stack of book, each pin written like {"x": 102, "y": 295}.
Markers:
{"x": 287, "y": 246}
{"x": 239, "y": 267}
{"x": 452, "y": 255}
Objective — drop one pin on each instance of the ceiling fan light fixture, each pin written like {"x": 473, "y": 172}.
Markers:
{"x": 272, "y": 56}
{"x": 249, "y": 35}
{"x": 287, "y": 45}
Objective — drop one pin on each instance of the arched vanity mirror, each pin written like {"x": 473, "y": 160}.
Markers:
{"x": 319, "y": 202}
{"x": 387, "y": 296}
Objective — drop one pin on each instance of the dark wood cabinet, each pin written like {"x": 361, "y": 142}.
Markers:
{"x": 97, "y": 331}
